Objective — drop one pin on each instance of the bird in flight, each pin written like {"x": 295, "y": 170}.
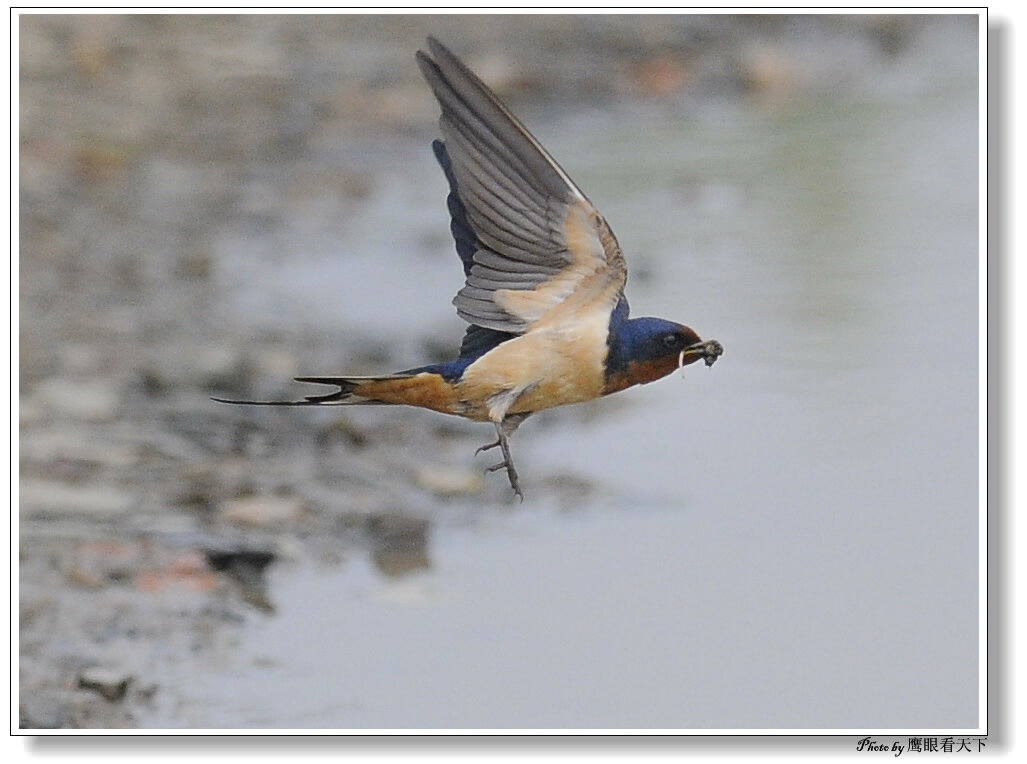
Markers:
{"x": 544, "y": 292}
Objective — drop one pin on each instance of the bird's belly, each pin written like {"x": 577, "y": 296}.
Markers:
{"x": 557, "y": 389}
{"x": 549, "y": 368}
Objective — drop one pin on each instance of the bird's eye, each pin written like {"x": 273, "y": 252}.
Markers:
{"x": 670, "y": 340}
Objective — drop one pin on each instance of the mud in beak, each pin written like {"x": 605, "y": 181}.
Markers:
{"x": 708, "y": 350}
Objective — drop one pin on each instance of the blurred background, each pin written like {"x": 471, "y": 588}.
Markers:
{"x": 211, "y": 205}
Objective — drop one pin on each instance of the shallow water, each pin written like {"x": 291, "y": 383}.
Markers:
{"x": 786, "y": 540}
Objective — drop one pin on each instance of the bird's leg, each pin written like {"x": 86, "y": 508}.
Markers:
{"x": 507, "y": 463}
{"x": 504, "y": 429}
{"x": 509, "y": 424}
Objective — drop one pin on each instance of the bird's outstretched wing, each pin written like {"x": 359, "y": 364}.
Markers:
{"x": 533, "y": 245}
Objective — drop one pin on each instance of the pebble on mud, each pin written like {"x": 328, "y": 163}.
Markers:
{"x": 58, "y": 498}
{"x": 400, "y": 543}
{"x": 261, "y": 511}
{"x": 111, "y": 683}
{"x": 769, "y": 71}
{"x": 187, "y": 572}
{"x": 222, "y": 367}
{"x": 93, "y": 400}
{"x": 60, "y": 443}
{"x": 449, "y": 481}
{"x": 246, "y": 567}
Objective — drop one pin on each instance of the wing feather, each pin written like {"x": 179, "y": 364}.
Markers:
{"x": 540, "y": 249}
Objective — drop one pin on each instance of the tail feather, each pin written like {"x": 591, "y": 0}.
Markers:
{"x": 347, "y": 394}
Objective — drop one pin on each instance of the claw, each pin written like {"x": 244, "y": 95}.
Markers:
{"x": 486, "y": 447}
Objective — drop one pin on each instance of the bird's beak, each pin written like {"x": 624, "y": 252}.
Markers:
{"x": 708, "y": 350}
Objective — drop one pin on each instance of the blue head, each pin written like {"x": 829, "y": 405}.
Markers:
{"x": 644, "y": 349}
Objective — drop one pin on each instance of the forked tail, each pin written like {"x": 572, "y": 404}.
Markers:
{"x": 348, "y": 394}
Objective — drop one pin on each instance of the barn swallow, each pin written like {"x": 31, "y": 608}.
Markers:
{"x": 544, "y": 291}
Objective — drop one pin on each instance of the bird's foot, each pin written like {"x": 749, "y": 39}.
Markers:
{"x": 507, "y": 463}
{"x": 511, "y": 473}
